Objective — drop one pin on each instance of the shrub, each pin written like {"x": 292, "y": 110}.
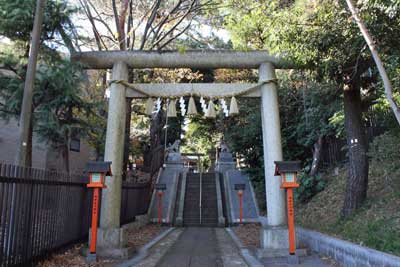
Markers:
{"x": 384, "y": 151}
{"x": 309, "y": 186}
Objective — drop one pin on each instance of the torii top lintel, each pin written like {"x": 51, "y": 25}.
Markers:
{"x": 206, "y": 59}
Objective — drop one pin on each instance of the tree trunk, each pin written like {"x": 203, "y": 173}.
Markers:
{"x": 156, "y": 130}
{"x": 156, "y": 137}
{"x": 26, "y": 109}
{"x": 357, "y": 180}
{"x": 28, "y": 159}
{"x": 317, "y": 154}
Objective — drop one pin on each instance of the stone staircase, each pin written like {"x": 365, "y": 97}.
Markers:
{"x": 209, "y": 210}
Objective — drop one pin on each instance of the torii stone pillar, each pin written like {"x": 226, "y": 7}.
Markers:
{"x": 274, "y": 236}
{"x": 112, "y": 241}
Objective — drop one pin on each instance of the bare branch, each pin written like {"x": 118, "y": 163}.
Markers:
{"x": 99, "y": 18}
{"x": 150, "y": 22}
{"x": 176, "y": 36}
{"x": 165, "y": 19}
{"x": 88, "y": 13}
{"x": 175, "y": 26}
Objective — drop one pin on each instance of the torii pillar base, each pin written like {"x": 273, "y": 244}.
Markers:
{"x": 112, "y": 244}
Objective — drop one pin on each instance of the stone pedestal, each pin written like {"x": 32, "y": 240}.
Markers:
{"x": 225, "y": 162}
{"x": 274, "y": 240}
{"x": 275, "y": 243}
{"x": 174, "y": 161}
{"x": 112, "y": 243}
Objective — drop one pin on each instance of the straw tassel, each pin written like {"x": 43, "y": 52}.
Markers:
{"x": 192, "y": 110}
{"x": 171, "y": 108}
{"x": 149, "y": 106}
{"x": 211, "y": 110}
{"x": 233, "y": 109}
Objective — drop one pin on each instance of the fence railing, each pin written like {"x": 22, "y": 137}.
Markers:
{"x": 135, "y": 201}
{"x": 42, "y": 211}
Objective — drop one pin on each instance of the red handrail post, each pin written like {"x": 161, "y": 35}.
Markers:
{"x": 290, "y": 209}
{"x": 160, "y": 193}
{"x": 240, "y": 194}
{"x": 95, "y": 212}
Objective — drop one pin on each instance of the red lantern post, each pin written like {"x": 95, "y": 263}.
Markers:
{"x": 97, "y": 173}
{"x": 288, "y": 172}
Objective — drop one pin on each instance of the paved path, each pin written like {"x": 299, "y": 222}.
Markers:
{"x": 208, "y": 247}
{"x": 195, "y": 247}
{"x": 308, "y": 261}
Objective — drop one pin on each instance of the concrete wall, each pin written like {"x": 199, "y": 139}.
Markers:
{"x": 43, "y": 157}
{"x": 344, "y": 252}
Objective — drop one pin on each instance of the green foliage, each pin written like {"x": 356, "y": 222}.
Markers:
{"x": 62, "y": 106}
{"x": 309, "y": 186}
{"x": 11, "y": 85}
{"x": 306, "y": 107}
{"x": 384, "y": 151}
{"x": 377, "y": 233}
{"x": 57, "y": 100}
{"x": 375, "y": 224}
{"x": 244, "y": 135}
{"x": 16, "y": 19}
{"x": 201, "y": 136}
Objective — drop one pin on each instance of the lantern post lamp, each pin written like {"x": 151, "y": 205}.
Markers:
{"x": 160, "y": 190}
{"x": 97, "y": 174}
{"x": 288, "y": 172}
{"x": 240, "y": 189}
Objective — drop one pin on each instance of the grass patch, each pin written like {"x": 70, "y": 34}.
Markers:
{"x": 376, "y": 224}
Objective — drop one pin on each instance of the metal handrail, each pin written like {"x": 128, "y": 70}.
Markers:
{"x": 201, "y": 173}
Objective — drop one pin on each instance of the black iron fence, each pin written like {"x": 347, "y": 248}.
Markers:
{"x": 135, "y": 200}
{"x": 42, "y": 211}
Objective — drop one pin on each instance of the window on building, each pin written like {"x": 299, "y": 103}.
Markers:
{"x": 75, "y": 142}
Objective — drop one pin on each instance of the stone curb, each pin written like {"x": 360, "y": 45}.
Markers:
{"x": 144, "y": 251}
{"x": 244, "y": 252}
{"x": 344, "y": 252}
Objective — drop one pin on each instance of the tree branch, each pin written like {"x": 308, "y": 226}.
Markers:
{"x": 150, "y": 22}
{"x": 379, "y": 64}
{"x": 88, "y": 13}
{"x": 175, "y": 26}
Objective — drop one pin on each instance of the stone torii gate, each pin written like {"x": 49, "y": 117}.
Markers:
{"x": 111, "y": 237}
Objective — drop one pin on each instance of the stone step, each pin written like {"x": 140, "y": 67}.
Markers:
{"x": 209, "y": 212}
{"x": 197, "y": 221}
